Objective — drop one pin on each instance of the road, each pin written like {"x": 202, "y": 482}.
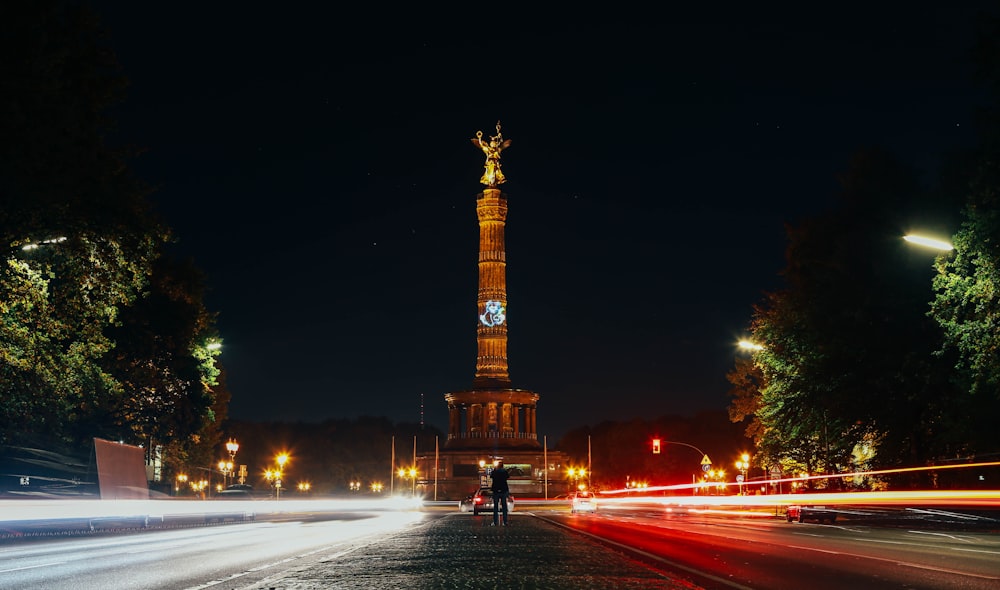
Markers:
{"x": 712, "y": 549}
{"x": 191, "y": 558}
{"x": 754, "y": 551}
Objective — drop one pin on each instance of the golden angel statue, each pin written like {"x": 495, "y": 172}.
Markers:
{"x": 492, "y": 176}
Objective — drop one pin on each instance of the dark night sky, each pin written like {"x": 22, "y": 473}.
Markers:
{"x": 317, "y": 166}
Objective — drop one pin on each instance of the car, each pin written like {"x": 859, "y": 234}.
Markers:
{"x": 583, "y": 502}
{"x": 236, "y": 492}
{"x": 482, "y": 501}
{"x": 465, "y": 504}
{"x": 804, "y": 513}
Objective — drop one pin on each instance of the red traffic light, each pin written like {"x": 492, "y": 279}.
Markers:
{"x": 656, "y": 446}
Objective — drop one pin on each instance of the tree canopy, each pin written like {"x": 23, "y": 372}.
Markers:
{"x": 101, "y": 334}
{"x": 856, "y": 369}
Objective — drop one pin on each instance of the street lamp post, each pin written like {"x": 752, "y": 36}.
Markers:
{"x": 743, "y": 464}
{"x": 410, "y": 473}
{"x": 232, "y": 446}
{"x": 274, "y": 476}
{"x": 577, "y": 473}
{"x": 226, "y": 467}
{"x": 182, "y": 479}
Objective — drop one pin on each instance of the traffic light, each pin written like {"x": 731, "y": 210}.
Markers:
{"x": 656, "y": 446}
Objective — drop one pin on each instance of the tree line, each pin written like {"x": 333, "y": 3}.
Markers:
{"x": 102, "y": 332}
{"x": 877, "y": 354}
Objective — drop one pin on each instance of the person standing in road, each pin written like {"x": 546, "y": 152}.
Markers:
{"x": 500, "y": 492}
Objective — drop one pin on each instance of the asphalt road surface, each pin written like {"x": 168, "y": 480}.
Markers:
{"x": 545, "y": 546}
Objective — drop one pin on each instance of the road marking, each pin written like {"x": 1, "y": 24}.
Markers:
{"x": 31, "y": 567}
{"x": 654, "y": 557}
{"x": 945, "y": 535}
{"x": 947, "y": 571}
{"x": 856, "y": 555}
{"x": 363, "y": 541}
{"x": 814, "y": 549}
{"x": 902, "y": 563}
{"x": 976, "y": 551}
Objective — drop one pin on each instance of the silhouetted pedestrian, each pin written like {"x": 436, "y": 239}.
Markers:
{"x": 500, "y": 492}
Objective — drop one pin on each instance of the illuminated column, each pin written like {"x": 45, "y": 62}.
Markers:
{"x": 491, "y": 334}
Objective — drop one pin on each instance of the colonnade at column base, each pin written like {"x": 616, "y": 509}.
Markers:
{"x": 485, "y": 419}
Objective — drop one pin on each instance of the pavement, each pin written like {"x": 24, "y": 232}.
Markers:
{"x": 459, "y": 550}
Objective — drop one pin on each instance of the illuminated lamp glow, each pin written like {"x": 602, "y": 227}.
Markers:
{"x": 929, "y": 242}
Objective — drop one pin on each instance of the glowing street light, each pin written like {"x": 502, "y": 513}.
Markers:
{"x": 743, "y": 464}
{"x": 37, "y": 245}
{"x": 410, "y": 473}
{"x": 748, "y": 345}
{"x": 273, "y": 476}
{"x": 929, "y": 242}
{"x": 226, "y": 467}
{"x": 232, "y": 446}
{"x": 577, "y": 473}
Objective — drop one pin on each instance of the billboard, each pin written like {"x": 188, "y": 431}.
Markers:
{"x": 121, "y": 471}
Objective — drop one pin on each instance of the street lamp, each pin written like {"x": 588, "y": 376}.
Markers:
{"x": 198, "y": 487}
{"x": 926, "y": 242}
{"x": 232, "y": 446}
{"x": 410, "y": 473}
{"x": 743, "y": 464}
{"x": 226, "y": 467}
{"x": 273, "y": 476}
{"x": 37, "y": 245}
{"x": 717, "y": 476}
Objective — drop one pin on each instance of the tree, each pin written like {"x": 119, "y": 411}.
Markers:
{"x": 967, "y": 286}
{"x": 847, "y": 359}
{"x": 98, "y": 334}
{"x": 164, "y": 358}
{"x": 966, "y": 302}
{"x": 68, "y": 199}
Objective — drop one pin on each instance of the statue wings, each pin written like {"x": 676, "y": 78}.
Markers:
{"x": 479, "y": 143}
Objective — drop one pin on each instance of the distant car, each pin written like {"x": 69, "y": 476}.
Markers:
{"x": 583, "y": 502}
{"x": 804, "y": 513}
{"x": 236, "y": 492}
{"x": 482, "y": 501}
